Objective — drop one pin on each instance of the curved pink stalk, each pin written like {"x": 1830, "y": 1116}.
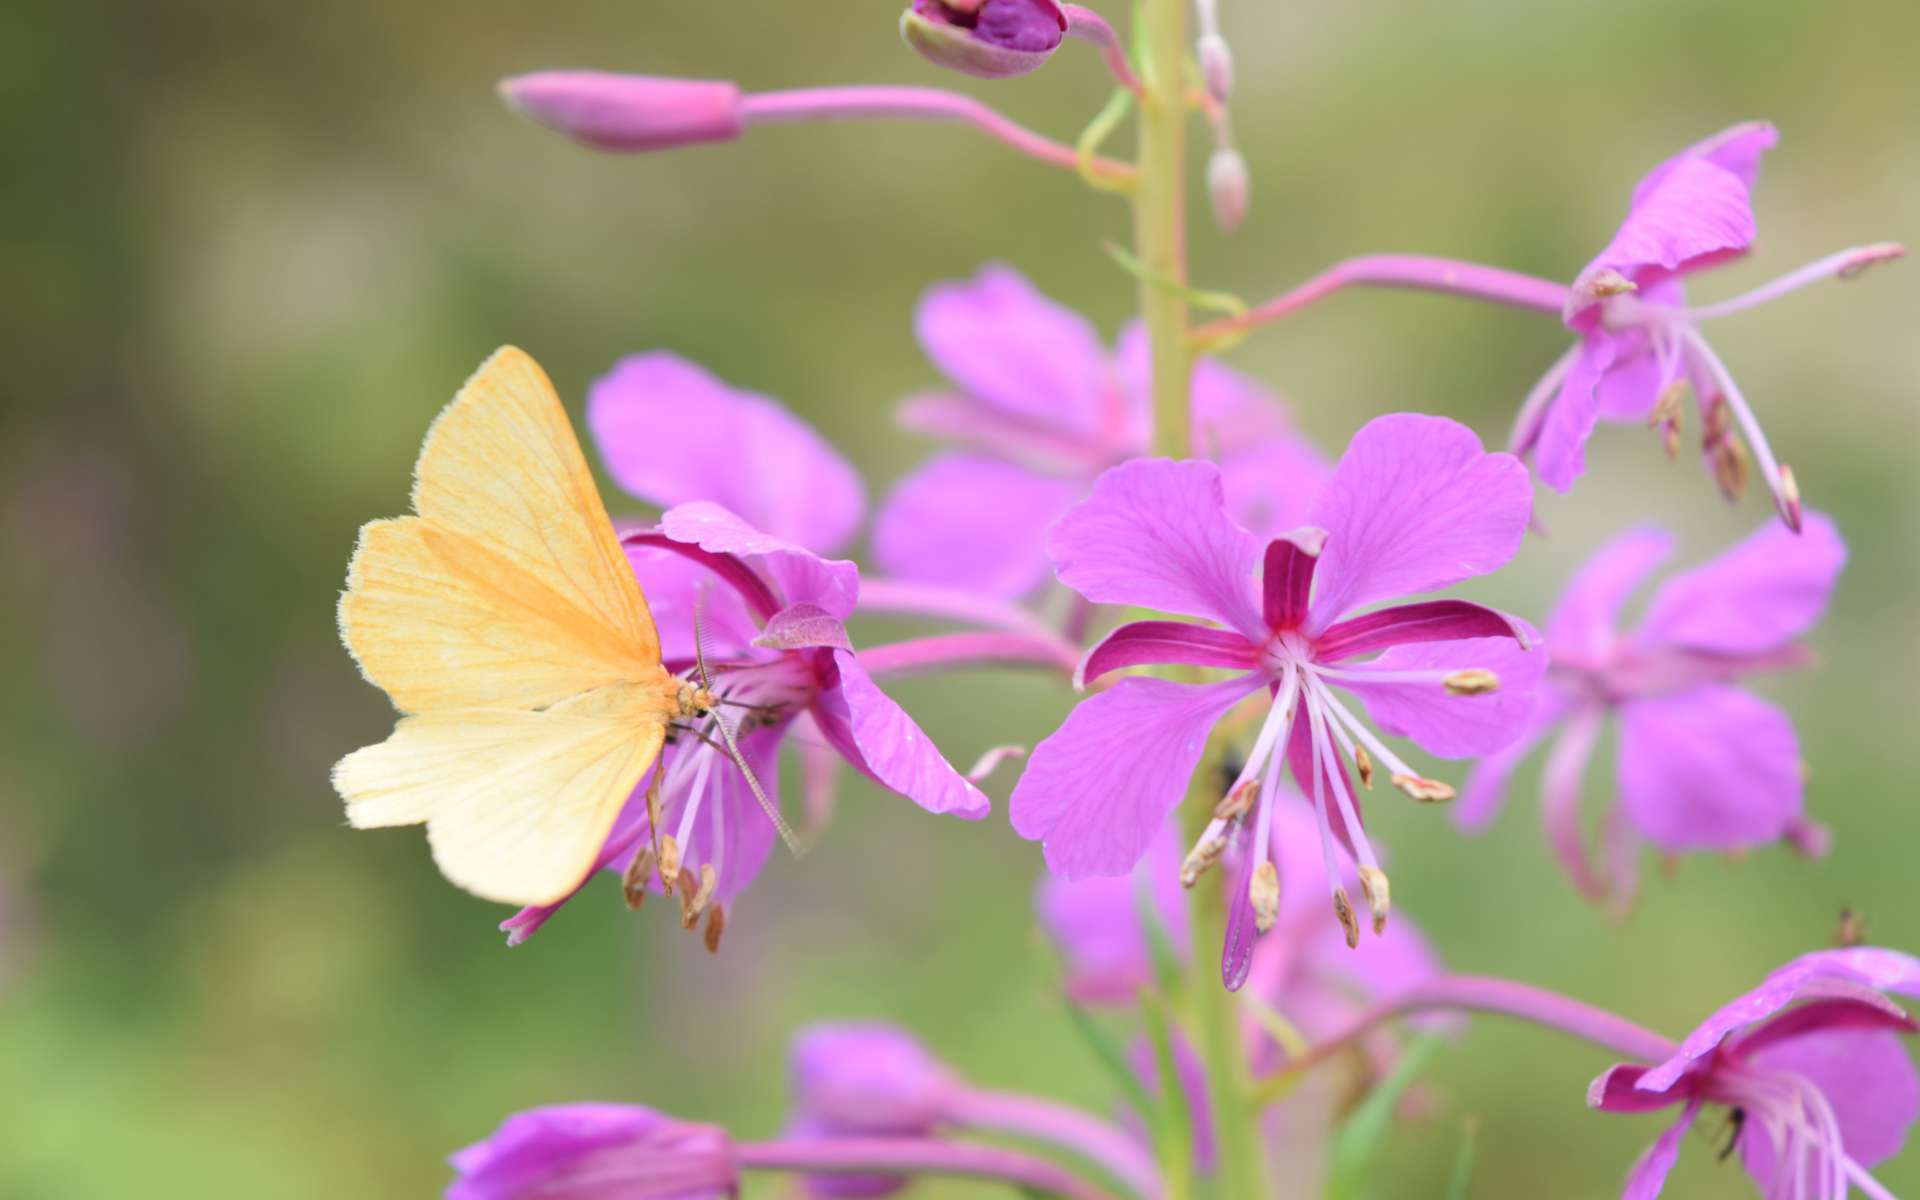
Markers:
{"x": 1401, "y": 271}
{"x": 1090, "y": 27}
{"x": 915, "y": 1156}
{"x": 1064, "y": 1126}
{"x": 1478, "y": 993}
{"x": 916, "y": 103}
{"x": 947, "y": 651}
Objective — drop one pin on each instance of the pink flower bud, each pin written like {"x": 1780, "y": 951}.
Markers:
{"x": 1229, "y": 187}
{"x": 628, "y": 112}
{"x": 1216, "y": 65}
{"x": 992, "y": 39}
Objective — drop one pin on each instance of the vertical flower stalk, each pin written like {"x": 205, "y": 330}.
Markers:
{"x": 1160, "y": 244}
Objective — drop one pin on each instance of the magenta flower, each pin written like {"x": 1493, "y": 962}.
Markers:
{"x": 1703, "y": 765}
{"x": 1811, "y": 1064}
{"x": 1415, "y": 505}
{"x": 1641, "y": 354}
{"x": 777, "y": 642}
{"x": 595, "y": 1152}
{"x": 670, "y": 432}
{"x": 1039, "y": 409}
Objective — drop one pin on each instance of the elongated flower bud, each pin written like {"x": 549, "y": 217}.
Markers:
{"x": 990, "y": 39}
{"x": 1229, "y": 187}
{"x": 628, "y": 112}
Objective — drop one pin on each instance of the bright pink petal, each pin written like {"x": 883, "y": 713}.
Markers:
{"x": 672, "y": 584}
{"x": 1013, "y": 349}
{"x": 1272, "y": 484}
{"x": 1560, "y": 788}
{"x": 1736, "y": 149}
{"x": 1711, "y": 768}
{"x": 1560, "y": 449}
{"x": 798, "y": 575}
{"x": 671, "y": 432}
{"x": 1415, "y": 505}
{"x": 1855, "y": 973}
{"x": 1587, "y": 621}
{"x": 731, "y": 831}
{"x": 1142, "y": 643}
{"x": 1427, "y": 621}
{"x": 1756, "y": 597}
{"x": 876, "y": 735}
{"x": 1444, "y": 724}
{"x": 1649, "y": 1174}
{"x": 1865, "y": 1075}
{"x": 1096, "y": 792}
{"x": 1154, "y": 534}
{"x": 966, "y": 520}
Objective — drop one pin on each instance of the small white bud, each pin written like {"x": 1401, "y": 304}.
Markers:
{"x": 1230, "y": 188}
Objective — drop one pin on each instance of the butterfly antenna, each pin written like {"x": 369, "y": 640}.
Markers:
{"x": 753, "y": 782}
{"x": 700, "y": 635}
{"x": 726, "y": 731}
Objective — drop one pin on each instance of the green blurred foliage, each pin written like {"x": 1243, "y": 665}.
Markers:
{"x": 247, "y": 252}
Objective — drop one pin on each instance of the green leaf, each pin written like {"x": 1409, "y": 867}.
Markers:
{"x": 1173, "y": 1131}
{"x": 1109, "y": 1053}
{"x": 1167, "y": 969}
{"x": 1364, "y": 1132}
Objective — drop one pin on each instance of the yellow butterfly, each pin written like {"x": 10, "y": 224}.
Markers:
{"x": 505, "y": 624}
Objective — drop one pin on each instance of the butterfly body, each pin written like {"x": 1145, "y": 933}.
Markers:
{"x": 504, "y": 622}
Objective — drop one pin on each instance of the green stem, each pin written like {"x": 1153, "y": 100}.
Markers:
{"x": 1160, "y": 218}
{"x": 1160, "y": 245}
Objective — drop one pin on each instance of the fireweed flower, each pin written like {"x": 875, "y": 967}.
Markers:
{"x": 670, "y": 432}
{"x": 875, "y": 1080}
{"x": 1811, "y": 1066}
{"x": 778, "y": 647}
{"x": 1415, "y": 505}
{"x": 1039, "y": 408}
{"x": 1703, "y": 764}
{"x": 1641, "y": 355}
{"x": 994, "y": 39}
{"x": 587, "y": 1151}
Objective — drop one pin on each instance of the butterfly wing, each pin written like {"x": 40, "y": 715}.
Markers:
{"x": 509, "y": 589}
{"x": 517, "y": 804}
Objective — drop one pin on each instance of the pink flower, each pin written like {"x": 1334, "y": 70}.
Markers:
{"x": 1809, "y": 1063}
{"x": 670, "y": 432}
{"x": 1703, "y": 765}
{"x": 1414, "y": 506}
{"x": 776, "y": 637}
{"x": 1039, "y": 409}
{"x": 1641, "y": 354}
{"x": 596, "y": 1152}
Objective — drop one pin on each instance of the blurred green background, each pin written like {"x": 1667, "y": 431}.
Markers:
{"x": 249, "y": 250}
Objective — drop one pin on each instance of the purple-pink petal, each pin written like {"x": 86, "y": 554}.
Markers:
{"x": 1097, "y": 791}
{"x": 1586, "y": 622}
{"x": 1560, "y": 448}
{"x": 1711, "y": 768}
{"x": 875, "y": 734}
{"x": 1617, "y": 1090}
{"x": 1756, "y": 597}
{"x": 673, "y": 583}
{"x": 1415, "y": 505}
{"x": 1444, "y": 724}
{"x": 798, "y": 575}
{"x": 1856, "y": 973}
{"x": 1143, "y": 643}
{"x": 1154, "y": 534}
{"x": 1485, "y": 790}
{"x": 1867, "y": 1078}
{"x": 1426, "y": 621}
{"x": 1737, "y": 149}
{"x": 743, "y": 451}
{"x": 968, "y": 520}
{"x": 869, "y": 1079}
{"x": 1015, "y": 350}
{"x": 1650, "y": 1173}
